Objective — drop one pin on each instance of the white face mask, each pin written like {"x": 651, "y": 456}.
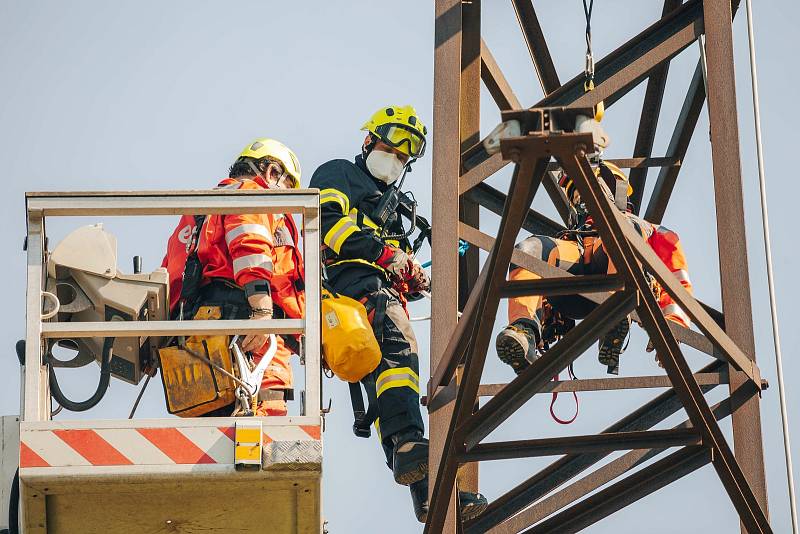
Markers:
{"x": 384, "y": 166}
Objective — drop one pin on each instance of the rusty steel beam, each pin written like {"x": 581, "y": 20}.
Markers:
{"x": 537, "y": 45}
{"x": 493, "y": 200}
{"x": 521, "y": 192}
{"x": 609, "y": 384}
{"x": 679, "y": 142}
{"x": 625, "y": 492}
{"x": 648, "y": 122}
{"x": 479, "y": 171}
{"x": 732, "y": 239}
{"x": 496, "y": 82}
{"x": 621, "y": 70}
{"x": 644, "y": 163}
{"x": 565, "y": 285}
{"x": 558, "y": 196}
{"x": 615, "y": 75}
{"x": 728, "y": 348}
{"x": 616, "y": 441}
{"x": 469, "y": 211}
{"x": 618, "y": 244}
{"x": 678, "y": 145}
{"x": 457, "y": 345}
{"x": 566, "y": 468}
{"x": 593, "y": 481}
{"x": 447, "y": 393}
{"x": 531, "y": 380}
{"x": 542, "y": 268}
{"x": 446, "y": 172}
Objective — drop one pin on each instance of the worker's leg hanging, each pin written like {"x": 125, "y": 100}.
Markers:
{"x": 396, "y": 385}
{"x": 517, "y": 343}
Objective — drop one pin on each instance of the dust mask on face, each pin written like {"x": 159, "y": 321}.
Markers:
{"x": 384, "y": 166}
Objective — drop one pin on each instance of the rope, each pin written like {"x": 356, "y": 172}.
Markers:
{"x": 588, "y": 69}
{"x": 554, "y": 397}
{"x": 773, "y": 308}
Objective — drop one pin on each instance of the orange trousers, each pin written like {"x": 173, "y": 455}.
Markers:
{"x": 591, "y": 258}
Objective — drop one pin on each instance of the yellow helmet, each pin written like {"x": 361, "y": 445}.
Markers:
{"x": 264, "y": 147}
{"x": 616, "y": 172}
{"x": 400, "y": 128}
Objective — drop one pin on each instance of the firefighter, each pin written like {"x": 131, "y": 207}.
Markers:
{"x": 580, "y": 252}
{"x": 249, "y": 266}
{"x": 368, "y": 257}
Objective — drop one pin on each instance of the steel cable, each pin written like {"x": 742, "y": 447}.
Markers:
{"x": 762, "y": 187}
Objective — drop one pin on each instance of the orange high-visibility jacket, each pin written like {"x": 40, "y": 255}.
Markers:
{"x": 244, "y": 249}
{"x": 666, "y": 244}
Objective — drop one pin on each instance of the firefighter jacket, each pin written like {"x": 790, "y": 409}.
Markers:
{"x": 351, "y": 238}
{"x": 256, "y": 252}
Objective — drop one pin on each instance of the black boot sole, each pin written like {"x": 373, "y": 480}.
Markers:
{"x": 417, "y": 460}
{"x": 611, "y": 346}
{"x": 511, "y": 353}
{"x": 474, "y": 509}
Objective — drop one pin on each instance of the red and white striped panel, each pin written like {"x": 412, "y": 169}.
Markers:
{"x": 144, "y": 446}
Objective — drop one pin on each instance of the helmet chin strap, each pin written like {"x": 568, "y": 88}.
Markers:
{"x": 263, "y": 175}
{"x": 256, "y": 171}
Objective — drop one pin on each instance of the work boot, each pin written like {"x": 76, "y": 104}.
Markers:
{"x": 611, "y": 345}
{"x": 409, "y": 457}
{"x": 471, "y": 505}
{"x": 516, "y": 344}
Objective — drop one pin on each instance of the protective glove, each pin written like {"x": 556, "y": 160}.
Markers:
{"x": 396, "y": 262}
{"x": 419, "y": 279}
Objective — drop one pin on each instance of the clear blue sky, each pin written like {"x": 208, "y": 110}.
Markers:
{"x": 163, "y": 95}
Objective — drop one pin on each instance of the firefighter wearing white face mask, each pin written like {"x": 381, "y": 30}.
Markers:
{"x": 371, "y": 264}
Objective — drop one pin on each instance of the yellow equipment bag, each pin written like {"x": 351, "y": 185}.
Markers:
{"x": 349, "y": 346}
{"x": 191, "y": 386}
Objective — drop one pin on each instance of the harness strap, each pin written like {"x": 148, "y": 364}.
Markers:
{"x": 363, "y": 419}
{"x": 192, "y": 273}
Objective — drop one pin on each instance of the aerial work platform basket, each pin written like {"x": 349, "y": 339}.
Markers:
{"x": 172, "y": 474}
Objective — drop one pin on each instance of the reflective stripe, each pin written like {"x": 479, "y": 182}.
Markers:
{"x": 378, "y": 429}
{"x": 340, "y": 231}
{"x": 676, "y": 311}
{"x": 369, "y": 223}
{"x": 396, "y": 378}
{"x": 334, "y": 195}
{"x": 258, "y": 229}
{"x": 261, "y": 261}
{"x": 362, "y": 262}
{"x": 682, "y": 275}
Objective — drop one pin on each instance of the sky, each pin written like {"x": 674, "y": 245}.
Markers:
{"x": 163, "y": 95}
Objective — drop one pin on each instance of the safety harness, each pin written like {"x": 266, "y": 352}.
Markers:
{"x": 192, "y": 273}
{"x": 363, "y": 419}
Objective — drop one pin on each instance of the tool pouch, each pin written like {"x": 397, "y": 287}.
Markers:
{"x": 192, "y": 387}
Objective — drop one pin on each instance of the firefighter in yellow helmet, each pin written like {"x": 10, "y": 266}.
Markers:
{"x": 368, "y": 257}
{"x": 535, "y": 322}
{"x": 244, "y": 266}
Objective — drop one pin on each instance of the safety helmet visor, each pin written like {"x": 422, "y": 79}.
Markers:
{"x": 404, "y": 138}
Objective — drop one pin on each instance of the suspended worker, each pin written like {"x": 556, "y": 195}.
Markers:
{"x": 368, "y": 257}
{"x": 580, "y": 251}
{"x": 247, "y": 266}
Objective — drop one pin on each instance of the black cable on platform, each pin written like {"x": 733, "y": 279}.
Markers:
{"x": 102, "y": 385}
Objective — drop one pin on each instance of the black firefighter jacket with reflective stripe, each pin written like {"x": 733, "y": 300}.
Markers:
{"x": 348, "y": 196}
